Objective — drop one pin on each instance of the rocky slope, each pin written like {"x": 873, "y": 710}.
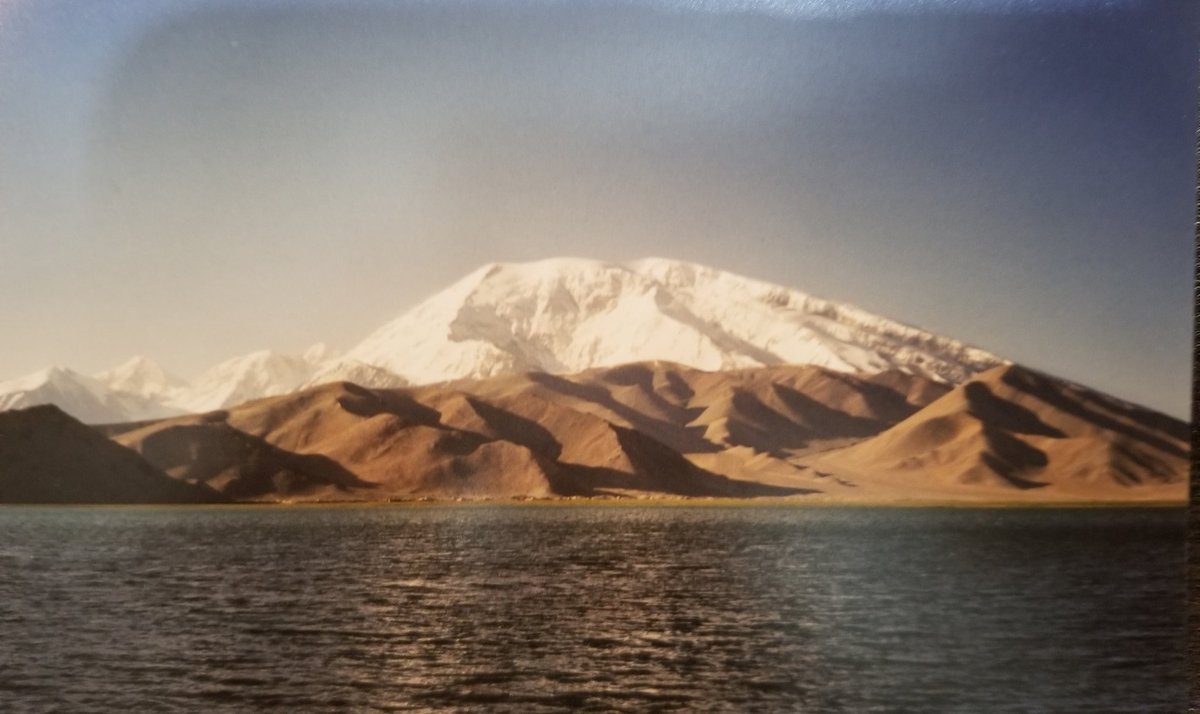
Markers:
{"x": 345, "y": 442}
{"x": 662, "y": 429}
{"x": 48, "y": 457}
{"x": 1016, "y": 431}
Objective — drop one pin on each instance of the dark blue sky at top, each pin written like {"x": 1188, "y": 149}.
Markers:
{"x": 191, "y": 180}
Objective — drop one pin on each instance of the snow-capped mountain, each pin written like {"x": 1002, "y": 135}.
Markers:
{"x": 143, "y": 377}
{"x": 565, "y": 315}
{"x": 85, "y": 398}
{"x": 560, "y": 315}
{"x": 258, "y": 374}
{"x": 139, "y": 389}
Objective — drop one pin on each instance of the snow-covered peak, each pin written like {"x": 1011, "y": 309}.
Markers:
{"x": 40, "y": 378}
{"x": 85, "y": 398}
{"x": 71, "y": 391}
{"x": 142, "y": 376}
{"x": 251, "y": 376}
{"x": 569, "y": 314}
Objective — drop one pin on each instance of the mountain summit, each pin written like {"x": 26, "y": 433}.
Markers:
{"x": 141, "y": 376}
{"x": 557, "y": 316}
{"x": 566, "y": 315}
{"x": 566, "y": 377}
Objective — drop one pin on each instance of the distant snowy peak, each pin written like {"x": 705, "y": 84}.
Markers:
{"x": 566, "y": 315}
{"x": 140, "y": 389}
{"x": 141, "y": 376}
{"x": 85, "y": 398}
{"x": 68, "y": 389}
{"x": 238, "y": 380}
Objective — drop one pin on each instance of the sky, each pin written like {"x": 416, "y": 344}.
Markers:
{"x": 194, "y": 179}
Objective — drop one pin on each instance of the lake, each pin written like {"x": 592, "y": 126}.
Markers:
{"x": 592, "y": 607}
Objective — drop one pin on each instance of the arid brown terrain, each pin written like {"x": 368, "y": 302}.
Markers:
{"x": 662, "y": 430}
{"x": 47, "y": 456}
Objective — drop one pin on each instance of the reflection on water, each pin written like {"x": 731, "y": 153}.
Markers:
{"x": 591, "y": 607}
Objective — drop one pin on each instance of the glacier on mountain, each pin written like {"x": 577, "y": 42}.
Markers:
{"x": 566, "y": 315}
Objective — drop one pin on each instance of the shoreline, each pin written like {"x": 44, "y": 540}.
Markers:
{"x": 637, "y": 503}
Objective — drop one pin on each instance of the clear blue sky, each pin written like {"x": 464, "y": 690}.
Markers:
{"x": 192, "y": 180}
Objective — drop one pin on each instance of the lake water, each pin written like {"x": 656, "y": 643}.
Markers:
{"x": 524, "y": 609}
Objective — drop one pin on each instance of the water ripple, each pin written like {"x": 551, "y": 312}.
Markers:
{"x": 526, "y": 609}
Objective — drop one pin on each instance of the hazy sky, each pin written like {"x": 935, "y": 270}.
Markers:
{"x": 194, "y": 180}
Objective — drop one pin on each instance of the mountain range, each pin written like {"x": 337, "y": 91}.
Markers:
{"x": 575, "y": 378}
{"x": 655, "y": 429}
{"x": 556, "y": 316}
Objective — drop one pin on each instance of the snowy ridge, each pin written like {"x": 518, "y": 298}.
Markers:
{"x": 85, "y": 398}
{"x": 361, "y": 373}
{"x": 143, "y": 377}
{"x": 139, "y": 389}
{"x": 566, "y": 315}
{"x": 258, "y": 374}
